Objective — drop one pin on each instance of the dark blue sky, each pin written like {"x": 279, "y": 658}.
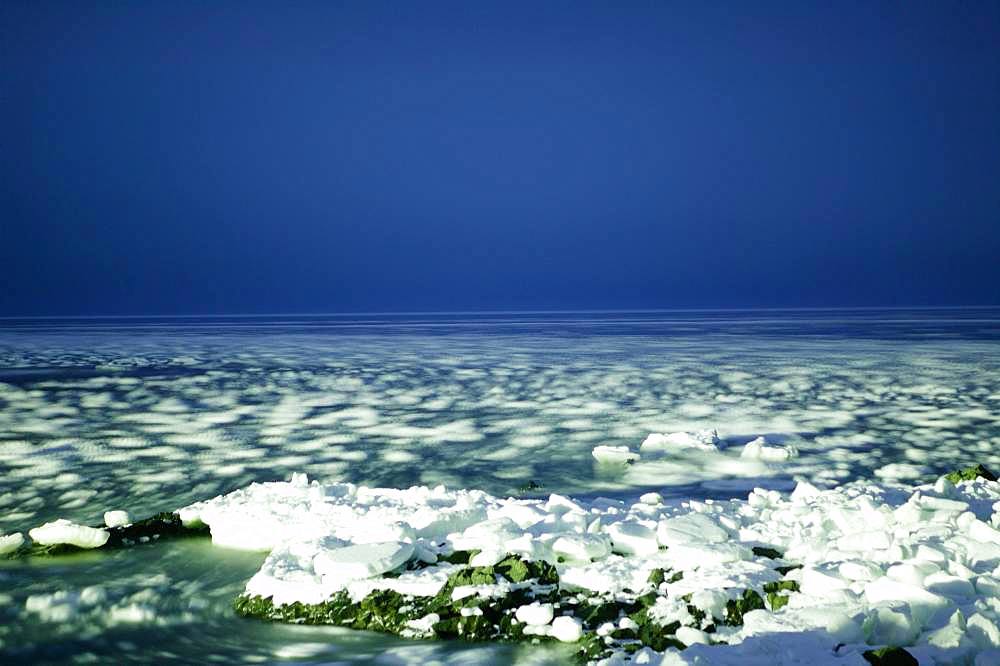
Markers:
{"x": 222, "y": 157}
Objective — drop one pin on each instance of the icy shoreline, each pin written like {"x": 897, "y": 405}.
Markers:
{"x": 811, "y": 576}
{"x": 817, "y": 574}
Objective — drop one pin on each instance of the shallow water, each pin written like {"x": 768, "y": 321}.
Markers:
{"x": 152, "y": 414}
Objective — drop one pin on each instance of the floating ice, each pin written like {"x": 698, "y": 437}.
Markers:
{"x": 10, "y": 542}
{"x": 706, "y": 440}
{"x": 758, "y": 449}
{"x": 64, "y": 532}
{"x": 614, "y": 454}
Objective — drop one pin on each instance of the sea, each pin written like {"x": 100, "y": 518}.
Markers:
{"x": 149, "y": 414}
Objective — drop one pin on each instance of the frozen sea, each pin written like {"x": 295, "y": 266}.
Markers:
{"x": 152, "y": 414}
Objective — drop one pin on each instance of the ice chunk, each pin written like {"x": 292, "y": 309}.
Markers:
{"x": 652, "y": 499}
{"x": 534, "y": 613}
{"x": 487, "y": 535}
{"x": 706, "y": 440}
{"x": 688, "y": 528}
{"x": 820, "y": 581}
{"x": 525, "y": 515}
{"x": 843, "y": 627}
{"x": 950, "y": 635}
{"x": 912, "y": 573}
{"x": 983, "y": 632}
{"x": 614, "y": 454}
{"x": 712, "y": 602}
{"x": 582, "y": 547}
{"x": 560, "y": 504}
{"x": 10, "y": 542}
{"x": 758, "y": 449}
{"x": 434, "y": 524}
{"x": 855, "y": 570}
{"x": 691, "y": 636}
{"x": 425, "y": 625}
{"x": 948, "y": 585}
{"x": 983, "y": 532}
{"x": 864, "y": 541}
{"x": 888, "y": 626}
{"x": 363, "y": 532}
{"x": 804, "y": 491}
{"x": 566, "y": 629}
{"x": 632, "y": 538}
{"x": 63, "y": 531}
{"x": 924, "y": 604}
{"x": 706, "y": 554}
{"x": 487, "y": 557}
{"x": 117, "y": 518}
{"x": 341, "y": 565}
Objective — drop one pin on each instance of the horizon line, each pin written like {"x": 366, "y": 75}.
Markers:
{"x": 386, "y": 313}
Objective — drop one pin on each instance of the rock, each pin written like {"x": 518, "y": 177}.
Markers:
{"x": 970, "y": 473}
{"x": 890, "y": 656}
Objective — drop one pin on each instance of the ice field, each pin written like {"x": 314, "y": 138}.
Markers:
{"x": 856, "y": 408}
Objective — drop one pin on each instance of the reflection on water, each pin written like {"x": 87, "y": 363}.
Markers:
{"x": 150, "y": 415}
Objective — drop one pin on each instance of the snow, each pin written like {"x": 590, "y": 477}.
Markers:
{"x": 63, "y": 531}
{"x": 917, "y": 566}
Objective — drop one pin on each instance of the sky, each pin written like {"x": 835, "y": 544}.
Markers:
{"x": 244, "y": 157}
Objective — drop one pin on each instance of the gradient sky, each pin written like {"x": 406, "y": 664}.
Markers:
{"x": 238, "y": 157}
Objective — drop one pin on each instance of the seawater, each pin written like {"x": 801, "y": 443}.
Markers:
{"x": 150, "y": 414}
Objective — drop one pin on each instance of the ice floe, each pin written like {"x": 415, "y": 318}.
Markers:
{"x": 614, "y": 454}
{"x": 10, "y": 542}
{"x": 759, "y": 449}
{"x": 705, "y": 440}
{"x": 62, "y": 531}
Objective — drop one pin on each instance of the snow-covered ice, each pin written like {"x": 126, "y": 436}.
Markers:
{"x": 873, "y": 565}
